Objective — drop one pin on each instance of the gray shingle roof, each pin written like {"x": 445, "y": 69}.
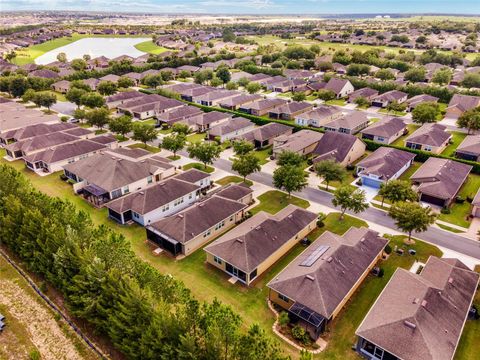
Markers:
{"x": 386, "y": 127}
{"x": 430, "y": 134}
{"x": 385, "y": 162}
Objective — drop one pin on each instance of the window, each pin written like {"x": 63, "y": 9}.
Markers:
{"x": 116, "y": 193}
{"x": 378, "y": 352}
{"x": 428, "y": 148}
{"x": 381, "y": 139}
{"x": 207, "y": 233}
{"x": 149, "y": 179}
{"x": 190, "y": 195}
{"x": 253, "y": 274}
{"x": 165, "y": 207}
{"x": 135, "y": 215}
{"x": 126, "y": 189}
{"x": 283, "y": 297}
{"x": 217, "y": 260}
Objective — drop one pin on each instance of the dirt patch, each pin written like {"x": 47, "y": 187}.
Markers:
{"x": 43, "y": 330}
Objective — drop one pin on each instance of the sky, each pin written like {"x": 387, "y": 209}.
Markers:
{"x": 307, "y": 7}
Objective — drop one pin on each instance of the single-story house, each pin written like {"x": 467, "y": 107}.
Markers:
{"x": 214, "y": 98}
{"x": 262, "y": 107}
{"x": 154, "y": 202}
{"x": 247, "y": 251}
{"x": 231, "y": 129}
{"x": 110, "y": 77}
{"x": 438, "y": 181}
{"x": 92, "y": 83}
{"x": 476, "y": 205}
{"x": 193, "y": 227}
{"x": 419, "y": 316}
{"x": 419, "y": 99}
{"x": 122, "y": 97}
{"x": 341, "y": 87}
{"x": 385, "y": 99}
{"x": 469, "y": 149}
{"x": 302, "y": 142}
{"x": 61, "y": 86}
{"x": 367, "y": 93}
{"x": 20, "y": 149}
{"x": 382, "y": 165}
{"x": 461, "y": 103}
{"x": 429, "y": 137}
{"x": 289, "y": 110}
{"x": 233, "y": 103}
{"x": 342, "y": 148}
{"x": 180, "y": 114}
{"x": 197, "y": 177}
{"x": 319, "y": 116}
{"x": 263, "y": 136}
{"x": 202, "y": 122}
{"x": 103, "y": 177}
{"x": 30, "y": 131}
{"x": 385, "y": 131}
{"x": 350, "y": 123}
{"x": 317, "y": 284}
{"x": 237, "y": 192}
{"x": 135, "y": 77}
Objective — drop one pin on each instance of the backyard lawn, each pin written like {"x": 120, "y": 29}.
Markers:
{"x": 150, "y": 148}
{"x": 263, "y": 154}
{"x": 151, "y": 122}
{"x": 233, "y": 179}
{"x": 273, "y": 201}
{"x": 338, "y": 102}
{"x": 410, "y": 171}
{"x": 198, "y": 166}
{"x": 150, "y": 47}
{"x": 401, "y": 140}
{"x": 457, "y": 138}
{"x": 196, "y": 138}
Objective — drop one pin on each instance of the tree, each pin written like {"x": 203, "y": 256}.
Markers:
{"x": 246, "y": 164}
{"x": 44, "y": 99}
{"x": 329, "y": 170}
{"x": 471, "y": 80}
{"x": 62, "y": 57}
{"x": 325, "y": 95}
{"x": 425, "y": 112}
{"x": 384, "y": 74}
{"x": 415, "y": 74}
{"x": 121, "y": 125}
{"x": 289, "y": 178}
{"x": 153, "y": 80}
{"x": 74, "y": 95}
{"x": 28, "y": 95}
{"x": 79, "y": 114}
{"x": 205, "y": 152}
{"x": 215, "y": 82}
{"x": 411, "y": 216}
{"x": 231, "y": 85}
{"x": 144, "y": 133}
{"x": 396, "y": 106}
{"x": 17, "y": 86}
{"x": 107, "y": 88}
{"x": 397, "y": 190}
{"x": 442, "y": 76}
{"x": 348, "y": 197}
{"x": 180, "y": 128}
{"x": 78, "y": 64}
{"x": 362, "y": 102}
{"x": 289, "y": 158}
{"x": 224, "y": 75}
{"x": 242, "y": 147}
{"x": 470, "y": 120}
{"x": 243, "y": 81}
{"x": 228, "y": 35}
{"x": 98, "y": 117}
{"x": 299, "y": 96}
{"x": 92, "y": 100}
{"x": 174, "y": 142}
{"x": 253, "y": 87}
{"x": 125, "y": 82}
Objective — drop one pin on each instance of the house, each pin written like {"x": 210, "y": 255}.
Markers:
{"x": 385, "y": 99}
{"x": 262, "y": 107}
{"x": 53, "y": 159}
{"x": 61, "y": 86}
{"x": 110, "y": 77}
{"x": 44, "y": 73}
{"x": 419, "y": 99}
{"x": 289, "y": 110}
{"x": 247, "y": 251}
{"x": 193, "y": 227}
{"x": 213, "y": 98}
{"x": 154, "y": 202}
{"x": 344, "y": 149}
{"x": 104, "y": 177}
{"x": 438, "y": 181}
{"x": 419, "y": 317}
{"x": 461, "y": 103}
{"x": 28, "y": 132}
{"x": 122, "y": 97}
{"x": 197, "y": 177}
{"x": 233, "y": 103}
{"x": 237, "y": 192}
{"x": 135, "y": 77}
{"x": 264, "y": 136}
{"x": 149, "y": 106}
{"x": 469, "y": 149}
{"x": 302, "y": 142}
{"x": 16, "y": 116}
{"x": 92, "y": 83}
{"x": 366, "y": 93}
{"x": 20, "y": 149}
{"x": 429, "y": 137}
{"x": 319, "y": 116}
{"x": 350, "y": 123}
{"x": 385, "y": 131}
{"x": 382, "y": 165}
{"x": 180, "y": 114}
{"x": 202, "y": 122}
{"x": 341, "y": 87}
{"x": 317, "y": 284}
{"x": 231, "y": 129}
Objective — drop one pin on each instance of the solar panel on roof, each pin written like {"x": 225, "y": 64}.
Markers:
{"x": 315, "y": 255}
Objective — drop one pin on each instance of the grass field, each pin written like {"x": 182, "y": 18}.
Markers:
{"x": 273, "y": 201}
{"x": 401, "y": 140}
{"x": 152, "y": 149}
{"x": 233, "y": 179}
{"x": 198, "y": 166}
{"x": 29, "y": 54}
{"x": 149, "y": 47}
{"x": 457, "y": 138}
{"x": 263, "y": 154}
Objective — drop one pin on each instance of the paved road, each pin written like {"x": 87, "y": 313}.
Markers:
{"x": 433, "y": 235}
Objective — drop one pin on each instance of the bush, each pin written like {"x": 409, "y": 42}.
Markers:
{"x": 459, "y": 200}
{"x": 64, "y": 118}
{"x": 350, "y": 167}
{"x": 470, "y": 199}
{"x": 445, "y": 210}
{"x": 320, "y": 223}
{"x": 283, "y": 319}
{"x": 381, "y": 273}
{"x": 300, "y": 334}
{"x": 388, "y": 249}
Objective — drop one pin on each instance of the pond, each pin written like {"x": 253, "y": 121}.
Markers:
{"x": 109, "y": 47}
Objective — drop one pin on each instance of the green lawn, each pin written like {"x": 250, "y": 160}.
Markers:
{"x": 459, "y": 212}
{"x": 196, "y": 138}
{"x": 233, "y": 179}
{"x": 152, "y": 149}
{"x": 149, "y": 47}
{"x": 448, "y": 228}
{"x": 457, "y": 138}
{"x": 396, "y": 113}
{"x": 273, "y": 201}
{"x": 199, "y": 166}
{"x": 338, "y": 102}
{"x": 263, "y": 154}
{"x": 59, "y": 96}
{"x": 400, "y": 141}
{"x": 341, "y": 331}
{"x": 151, "y": 122}
{"x": 346, "y": 181}
{"x": 410, "y": 171}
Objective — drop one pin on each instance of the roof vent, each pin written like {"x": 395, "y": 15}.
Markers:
{"x": 142, "y": 193}
{"x": 450, "y": 280}
{"x": 201, "y": 205}
{"x": 415, "y": 301}
{"x": 258, "y": 227}
{"x": 239, "y": 240}
{"x": 424, "y": 303}
{"x": 310, "y": 277}
{"x": 410, "y": 324}
{"x": 362, "y": 239}
{"x": 180, "y": 216}
{"x": 329, "y": 260}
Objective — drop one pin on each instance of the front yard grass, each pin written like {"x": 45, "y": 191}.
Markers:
{"x": 396, "y": 113}
{"x": 233, "y": 179}
{"x": 151, "y": 122}
{"x": 198, "y": 166}
{"x": 152, "y": 149}
{"x": 457, "y": 138}
{"x": 273, "y": 201}
{"x": 338, "y": 102}
{"x": 196, "y": 138}
{"x": 263, "y": 154}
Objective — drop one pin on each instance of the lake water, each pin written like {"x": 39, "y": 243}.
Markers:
{"x": 109, "y": 47}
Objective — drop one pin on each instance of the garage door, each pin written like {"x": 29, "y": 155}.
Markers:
{"x": 371, "y": 182}
{"x": 432, "y": 200}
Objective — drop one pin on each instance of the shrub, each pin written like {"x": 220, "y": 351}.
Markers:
{"x": 350, "y": 167}
{"x": 283, "y": 319}
{"x": 459, "y": 200}
{"x": 64, "y": 118}
{"x": 300, "y": 334}
{"x": 470, "y": 199}
{"x": 388, "y": 249}
{"x": 445, "y": 210}
{"x": 381, "y": 273}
